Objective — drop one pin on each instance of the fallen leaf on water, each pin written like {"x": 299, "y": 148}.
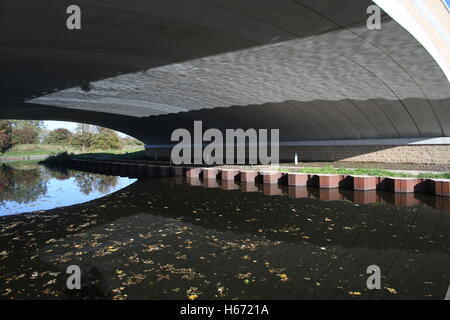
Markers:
{"x": 193, "y": 297}
{"x": 284, "y": 277}
{"x": 391, "y": 290}
{"x": 7, "y": 291}
{"x": 354, "y": 293}
{"x": 244, "y": 275}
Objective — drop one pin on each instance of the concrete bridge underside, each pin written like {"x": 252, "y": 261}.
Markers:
{"x": 309, "y": 68}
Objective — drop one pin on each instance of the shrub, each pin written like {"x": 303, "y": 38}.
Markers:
{"x": 24, "y": 136}
{"x": 106, "y": 139}
{"x": 25, "y": 132}
{"x": 58, "y": 136}
{"x": 82, "y": 140}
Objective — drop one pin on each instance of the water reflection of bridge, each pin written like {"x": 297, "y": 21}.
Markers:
{"x": 336, "y": 194}
{"x": 422, "y": 193}
{"x": 312, "y": 241}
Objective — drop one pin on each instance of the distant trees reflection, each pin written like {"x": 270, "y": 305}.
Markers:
{"x": 25, "y": 183}
{"x": 21, "y": 186}
{"x": 88, "y": 182}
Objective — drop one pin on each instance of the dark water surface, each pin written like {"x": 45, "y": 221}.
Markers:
{"x": 173, "y": 239}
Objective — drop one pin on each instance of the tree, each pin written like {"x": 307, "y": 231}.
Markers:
{"x": 91, "y": 137}
{"x": 59, "y": 136}
{"x": 25, "y": 135}
{"x": 26, "y": 132}
{"x": 106, "y": 139}
{"x": 5, "y": 135}
{"x": 22, "y": 185}
{"x": 84, "y": 136}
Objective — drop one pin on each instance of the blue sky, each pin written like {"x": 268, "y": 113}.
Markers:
{"x": 51, "y": 125}
{"x": 447, "y": 2}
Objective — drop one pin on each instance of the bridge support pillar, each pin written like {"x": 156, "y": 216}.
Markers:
{"x": 364, "y": 183}
{"x": 297, "y": 179}
{"x": 405, "y": 185}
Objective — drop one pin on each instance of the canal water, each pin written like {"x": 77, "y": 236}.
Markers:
{"x": 26, "y": 187}
{"x": 172, "y": 238}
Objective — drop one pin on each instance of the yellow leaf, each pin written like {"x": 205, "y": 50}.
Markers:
{"x": 391, "y": 290}
{"x": 283, "y": 277}
{"x": 193, "y": 297}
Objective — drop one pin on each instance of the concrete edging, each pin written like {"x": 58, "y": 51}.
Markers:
{"x": 439, "y": 187}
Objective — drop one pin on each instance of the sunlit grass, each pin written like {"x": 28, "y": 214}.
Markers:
{"x": 365, "y": 172}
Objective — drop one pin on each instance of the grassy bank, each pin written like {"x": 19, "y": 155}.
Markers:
{"x": 123, "y": 154}
{"x": 53, "y": 149}
{"x": 365, "y": 172}
{"x": 36, "y": 150}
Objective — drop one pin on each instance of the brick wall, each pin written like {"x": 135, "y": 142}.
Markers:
{"x": 423, "y": 154}
{"x": 437, "y": 154}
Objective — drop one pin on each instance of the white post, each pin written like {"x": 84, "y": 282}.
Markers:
{"x": 296, "y": 159}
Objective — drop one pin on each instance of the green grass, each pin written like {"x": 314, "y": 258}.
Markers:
{"x": 36, "y": 150}
{"x": 445, "y": 175}
{"x": 366, "y": 172}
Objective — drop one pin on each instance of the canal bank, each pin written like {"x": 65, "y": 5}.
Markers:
{"x": 23, "y": 158}
{"x": 274, "y": 176}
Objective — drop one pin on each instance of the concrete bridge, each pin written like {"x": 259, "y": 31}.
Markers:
{"x": 334, "y": 88}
